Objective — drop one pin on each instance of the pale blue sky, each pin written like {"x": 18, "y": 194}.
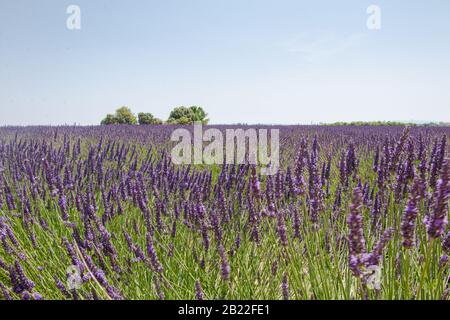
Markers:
{"x": 252, "y": 61}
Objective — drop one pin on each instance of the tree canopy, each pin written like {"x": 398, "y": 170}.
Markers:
{"x": 371, "y": 123}
{"x": 123, "y": 115}
{"x": 145, "y": 118}
{"x": 183, "y": 115}
{"x": 109, "y": 119}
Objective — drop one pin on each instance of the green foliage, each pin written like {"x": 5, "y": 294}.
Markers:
{"x": 198, "y": 114}
{"x": 148, "y": 118}
{"x": 123, "y": 115}
{"x": 109, "y": 119}
{"x": 180, "y": 115}
{"x": 386, "y": 123}
{"x": 370, "y": 123}
{"x": 183, "y": 115}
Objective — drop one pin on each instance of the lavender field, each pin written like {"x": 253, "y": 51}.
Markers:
{"x": 103, "y": 213}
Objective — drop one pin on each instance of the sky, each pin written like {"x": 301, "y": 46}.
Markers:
{"x": 243, "y": 61}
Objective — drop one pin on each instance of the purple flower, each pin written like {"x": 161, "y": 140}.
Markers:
{"x": 376, "y": 159}
{"x": 19, "y": 280}
{"x": 274, "y": 267}
{"x": 375, "y": 211}
{"x": 199, "y": 291}
{"x": 446, "y": 243}
{"x": 410, "y": 216}
{"x": 357, "y": 243}
{"x": 37, "y": 296}
{"x": 443, "y": 261}
{"x": 398, "y": 150}
{"x": 205, "y": 236}
{"x": 3, "y": 265}
{"x": 255, "y": 183}
{"x": 350, "y": 161}
{"x": 61, "y": 287}
{"x": 152, "y": 254}
{"x": 374, "y": 257}
{"x": 73, "y": 256}
{"x": 438, "y": 220}
{"x": 285, "y": 287}
{"x": 63, "y": 206}
{"x": 26, "y": 295}
{"x": 224, "y": 265}
{"x": 5, "y": 292}
{"x": 282, "y": 229}
{"x": 237, "y": 241}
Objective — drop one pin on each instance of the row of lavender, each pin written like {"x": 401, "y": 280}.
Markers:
{"x": 108, "y": 203}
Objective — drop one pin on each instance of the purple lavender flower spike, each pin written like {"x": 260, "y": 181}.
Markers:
{"x": 357, "y": 243}
{"x": 61, "y": 287}
{"x": 374, "y": 257}
{"x": 285, "y": 287}
{"x": 446, "y": 244}
{"x": 282, "y": 229}
{"x": 225, "y": 266}
{"x": 438, "y": 220}
{"x": 5, "y": 292}
{"x": 410, "y": 216}
{"x": 37, "y": 296}
{"x": 152, "y": 254}
{"x": 199, "y": 295}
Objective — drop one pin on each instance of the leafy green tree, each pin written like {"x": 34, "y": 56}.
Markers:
{"x": 148, "y": 118}
{"x": 145, "y": 118}
{"x": 184, "y": 120}
{"x": 109, "y": 119}
{"x": 157, "y": 121}
{"x": 183, "y": 115}
{"x": 125, "y": 116}
{"x": 178, "y": 113}
{"x": 198, "y": 114}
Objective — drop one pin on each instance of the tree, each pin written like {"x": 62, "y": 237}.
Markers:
{"x": 198, "y": 114}
{"x": 110, "y": 119}
{"x": 178, "y": 113}
{"x": 145, "y": 118}
{"x": 183, "y": 115}
{"x": 123, "y": 115}
{"x": 148, "y": 118}
{"x": 183, "y": 120}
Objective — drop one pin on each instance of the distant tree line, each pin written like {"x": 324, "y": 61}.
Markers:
{"x": 179, "y": 115}
{"x": 383, "y": 123}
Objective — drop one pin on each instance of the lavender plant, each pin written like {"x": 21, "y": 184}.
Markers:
{"x": 352, "y": 213}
